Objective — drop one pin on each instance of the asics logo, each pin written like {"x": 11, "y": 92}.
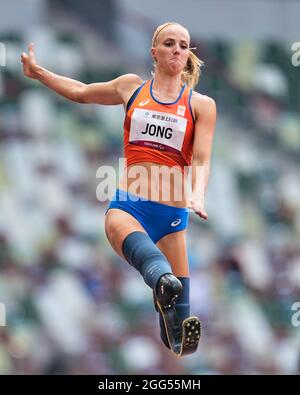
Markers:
{"x": 176, "y": 222}
{"x": 144, "y": 102}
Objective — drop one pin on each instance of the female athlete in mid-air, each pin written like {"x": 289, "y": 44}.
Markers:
{"x": 168, "y": 129}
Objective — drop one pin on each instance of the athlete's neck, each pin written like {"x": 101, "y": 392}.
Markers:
{"x": 166, "y": 86}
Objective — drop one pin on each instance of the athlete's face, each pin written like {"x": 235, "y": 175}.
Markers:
{"x": 171, "y": 49}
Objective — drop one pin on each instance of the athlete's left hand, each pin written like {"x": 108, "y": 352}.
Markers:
{"x": 198, "y": 208}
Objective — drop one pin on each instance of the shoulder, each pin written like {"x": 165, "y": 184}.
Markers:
{"x": 197, "y": 98}
{"x": 129, "y": 80}
{"x": 127, "y": 84}
{"x": 202, "y": 105}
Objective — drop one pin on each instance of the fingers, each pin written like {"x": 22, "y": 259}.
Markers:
{"x": 202, "y": 214}
{"x": 196, "y": 209}
{"x": 31, "y": 53}
{"x": 28, "y": 60}
{"x": 24, "y": 57}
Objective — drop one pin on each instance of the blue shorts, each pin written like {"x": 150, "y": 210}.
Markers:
{"x": 157, "y": 219}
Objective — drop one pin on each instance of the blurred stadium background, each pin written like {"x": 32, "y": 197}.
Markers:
{"x": 68, "y": 309}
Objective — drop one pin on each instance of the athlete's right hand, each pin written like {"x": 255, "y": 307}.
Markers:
{"x": 197, "y": 207}
{"x": 30, "y": 67}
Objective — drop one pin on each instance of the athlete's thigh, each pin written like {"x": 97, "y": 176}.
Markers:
{"x": 173, "y": 246}
{"x": 118, "y": 225}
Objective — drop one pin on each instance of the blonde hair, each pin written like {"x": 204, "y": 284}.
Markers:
{"x": 192, "y": 71}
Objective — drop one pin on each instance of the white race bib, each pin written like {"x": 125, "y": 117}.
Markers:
{"x": 155, "y": 129}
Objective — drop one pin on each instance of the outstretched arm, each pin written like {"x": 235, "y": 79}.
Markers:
{"x": 205, "y": 113}
{"x": 117, "y": 91}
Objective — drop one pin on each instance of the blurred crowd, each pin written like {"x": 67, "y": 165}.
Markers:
{"x": 72, "y": 305}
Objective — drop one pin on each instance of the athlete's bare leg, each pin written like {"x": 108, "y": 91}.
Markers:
{"x": 173, "y": 246}
{"x": 118, "y": 225}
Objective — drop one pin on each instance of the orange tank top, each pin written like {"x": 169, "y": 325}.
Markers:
{"x": 159, "y": 132}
